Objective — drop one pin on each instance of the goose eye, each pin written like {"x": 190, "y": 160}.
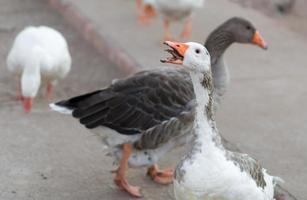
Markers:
{"x": 197, "y": 51}
{"x": 248, "y": 27}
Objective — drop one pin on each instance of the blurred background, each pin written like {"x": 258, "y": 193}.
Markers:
{"x": 44, "y": 155}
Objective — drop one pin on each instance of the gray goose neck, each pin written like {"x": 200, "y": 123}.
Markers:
{"x": 217, "y": 43}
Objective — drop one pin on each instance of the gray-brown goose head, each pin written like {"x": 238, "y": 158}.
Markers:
{"x": 233, "y": 30}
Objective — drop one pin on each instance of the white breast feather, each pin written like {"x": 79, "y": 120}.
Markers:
{"x": 222, "y": 179}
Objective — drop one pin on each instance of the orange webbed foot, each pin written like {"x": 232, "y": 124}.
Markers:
{"x": 161, "y": 176}
{"x": 123, "y": 184}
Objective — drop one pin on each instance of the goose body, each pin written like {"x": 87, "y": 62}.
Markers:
{"x": 213, "y": 173}
{"x": 173, "y": 10}
{"x": 223, "y": 179}
{"x": 138, "y": 110}
{"x": 138, "y": 120}
{"x": 209, "y": 171}
{"x": 177, "y": 10}
{"x": 38, "y": 55}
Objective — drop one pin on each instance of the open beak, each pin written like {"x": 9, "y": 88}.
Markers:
{"x": 177, "y": 51}
{"x": 258, "y": 40}
{"x": 27, "y": 104}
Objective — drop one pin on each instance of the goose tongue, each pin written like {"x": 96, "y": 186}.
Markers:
{"x": 177, "y": 51}
{"x": 258, "y": 40}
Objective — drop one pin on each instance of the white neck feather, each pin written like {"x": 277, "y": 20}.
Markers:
{"x": 203, "y": 128}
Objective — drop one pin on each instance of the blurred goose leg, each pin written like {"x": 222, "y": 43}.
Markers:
{"x": 49, "y": 91}
{"x": 167, "y": 33}
{"x": 141, "y": 14}
{"x": 143, "y": 18}
{"x": 148, "y": 12}
{"x": 139, "y": 5}
{"x": 187, "y": 29}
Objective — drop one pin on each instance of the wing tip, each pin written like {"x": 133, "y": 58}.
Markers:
{"x": 60, "y": 109}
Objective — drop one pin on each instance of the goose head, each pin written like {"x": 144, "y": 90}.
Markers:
{"x": 193, "y": 56}
{"x": 243, "y": 31}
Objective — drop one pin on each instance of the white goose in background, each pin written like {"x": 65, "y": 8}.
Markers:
{"x": 39, "y": 55}
{"x": 209, "y": 171}
{"x": 177, "y": 10}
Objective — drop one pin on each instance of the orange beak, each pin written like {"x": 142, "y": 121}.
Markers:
{"x": 27, "y": 104}
{"x": 258, "y": 40}
{"x": 177, "y": 50}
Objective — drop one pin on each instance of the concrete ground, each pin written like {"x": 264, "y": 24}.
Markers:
{"x": 48, "y": 156}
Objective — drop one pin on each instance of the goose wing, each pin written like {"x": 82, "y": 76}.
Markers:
{"x": 250, "y": 166}
{"x": 135, "y": 104}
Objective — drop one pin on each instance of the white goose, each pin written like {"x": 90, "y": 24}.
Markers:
{"x": 177, "y": 10}
{"x": 39, "y": 55}
{"x": 209, "y": 171}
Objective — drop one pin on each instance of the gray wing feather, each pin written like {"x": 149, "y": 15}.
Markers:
{"x": 250, "y": 166}
{"x": 168, "y": 130}
{"x": 135, "y": 104}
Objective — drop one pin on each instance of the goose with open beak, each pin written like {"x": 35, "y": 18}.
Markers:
{"x": 209, "y": 171}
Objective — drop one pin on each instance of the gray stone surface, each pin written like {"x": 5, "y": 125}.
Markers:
{"x": 48, "y": 156}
